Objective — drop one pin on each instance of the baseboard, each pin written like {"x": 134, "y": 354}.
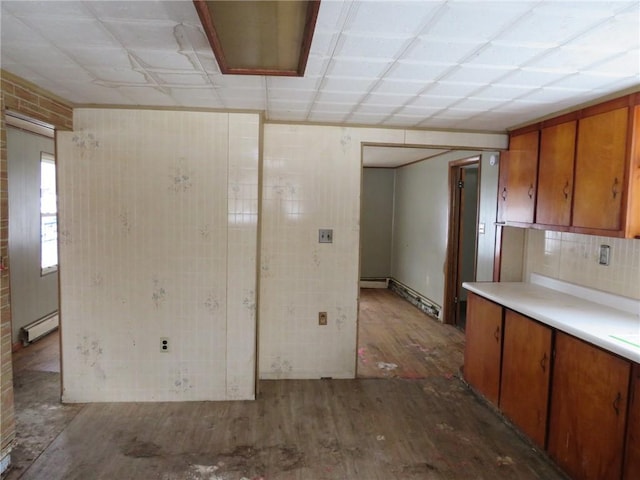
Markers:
{"x": 5, "y": 461}
{"x": 415, "y": 298}
{"x": 16, "y": 346}
{"x": 374, "y": 283}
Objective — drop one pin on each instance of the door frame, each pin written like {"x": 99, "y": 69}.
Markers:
{"x": 452, "y": 267}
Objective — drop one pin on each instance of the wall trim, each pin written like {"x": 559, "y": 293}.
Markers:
{"x": 415, "y": 298}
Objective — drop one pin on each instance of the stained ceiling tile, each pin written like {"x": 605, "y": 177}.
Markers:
{"x": 183, "y": 79}
{"x": 99, "y": 57}
{"x": 166, "y": 60}
{"x": 157, "y": 35}
{"x": 118, "y": 75}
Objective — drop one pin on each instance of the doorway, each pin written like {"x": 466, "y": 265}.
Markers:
{"x": 464, "y": 181}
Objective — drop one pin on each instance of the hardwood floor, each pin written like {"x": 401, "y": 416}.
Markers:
{"x": 395, "y": 339}
{"x": 389, "y": 428}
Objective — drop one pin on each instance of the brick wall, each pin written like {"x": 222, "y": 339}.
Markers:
{"x": 17, "y": 95}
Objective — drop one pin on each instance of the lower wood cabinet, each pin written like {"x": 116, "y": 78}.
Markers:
{"x": 483, "y": 346}
{"x": 588, "y": 410}
{"x": 526, "y": 367}
{"x": 632, "y": 455}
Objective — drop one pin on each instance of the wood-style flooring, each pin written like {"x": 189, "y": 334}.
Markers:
{"x": 395, "y": 339}
{"x": 387, "y": 428}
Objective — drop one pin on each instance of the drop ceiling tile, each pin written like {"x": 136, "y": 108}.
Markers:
{"x": 477, "y": 21}
{"x": 316, "y": 65}
{"x": 293, "y": 95}
{"x": 505, "y": 92}
{"x": 243, "y": 103}
{"x": 344, "y": 84}
{"x": 481, "y": 104}
{"x": 155, "y": 35}
{"x": 241, "y": 81}
{"x": 73, "y": 31}
{"x": 300, "y": 83}
{"x": 99, "y": 57}
{"x": 387, "y": 99}
{"x": 326, "y": 107}
{"x": 453, "y": 89}
{"x": 366, "y": 118}
{"x": 128, "y": 10}
{"x": 376, "y": 109}
{"x": 618, "y": 33}
{"x": 322, "y": 43}
{"x": 118, "y": 75}
{"x": 569, "y": 60}
{"x": 476, "y": 74}
{"x": 552, "y": 23}
{"x": 166, "y": 60}
{"x": 147, "y": 96}
{"x": 46, "y": 9}
{"x": 413, "y": 111}
{"x": 15, "y": 33}
{"x": 547, "y": 96}
{"x": 459, "y": 114}
{"x": 178, "y": 79}
{"x": 83, "y": 93}
{"x": 412, "y": 71}
{"x": 357, "y": 67}
{"x": 370, "y": 46}
{"x": 201, "y": 98}
{"x": 504, "y": 55}
{"x": 581, "y": 82}
{"x": 439, "y": 123}
{"x": 391, "y": 18}
{"x": 326, "y": 117}
{"x": 440, "y": 51}
{"x": 433, "y": 101}
{"x": 242, "y": 93}
{"x": 387, "y": 86}
{"x": 527, "y": 78}
{"x": 340, "y": 97}
{"x": 627, "y": 64}
{"x": 299, "y": 106}
{"x": 330, "y": 15}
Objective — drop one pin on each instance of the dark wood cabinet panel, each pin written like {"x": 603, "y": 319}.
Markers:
{"x": 588, "y": 410}
{"x": 600, "y": 170}
{"x": 555, "y": 174}
{"x": 483, "y": 346}
{"x": 526, "y": 367}
{"x": 632, "y": 455}
{"x": 521, "y": 183}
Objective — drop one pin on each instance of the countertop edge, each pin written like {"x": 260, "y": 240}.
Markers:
{"x": 605, "y": 342}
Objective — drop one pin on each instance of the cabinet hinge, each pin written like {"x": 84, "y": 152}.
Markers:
{"x": 455, "y": 299}
{"x": 460, "y": 184}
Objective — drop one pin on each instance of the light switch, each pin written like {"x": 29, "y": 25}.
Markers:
{"x": 481, "y": 229}
{"x": 325, "y": 235}
{"x": 605, "y": 252}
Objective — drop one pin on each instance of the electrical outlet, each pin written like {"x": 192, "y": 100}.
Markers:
{"x": 322, "y": 318}
{"x": 164, "y": 344}
{"x": 605, "y": 252}
{"x": 325, "y": 235}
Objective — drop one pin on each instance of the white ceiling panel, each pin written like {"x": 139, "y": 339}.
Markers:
{"x": 380, "y": 156}
{"x": 486, "y": 65}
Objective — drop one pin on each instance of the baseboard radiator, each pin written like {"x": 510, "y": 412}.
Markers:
{"x": 39, "y": 328}
{"x": 374, "y": 283}
{"x": 413, "y": 297}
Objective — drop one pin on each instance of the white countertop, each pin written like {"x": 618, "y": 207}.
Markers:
{"x": 587, "y": 320}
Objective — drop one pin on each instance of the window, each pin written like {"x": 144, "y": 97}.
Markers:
{"x": 48, "y": 215}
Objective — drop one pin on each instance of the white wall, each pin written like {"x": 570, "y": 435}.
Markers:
{"x": 158, "y": 228}
{"x": 574, "y": 257}
{"x": 312, "y": 177}
{"x": 376, "y": 222}
{"x": 33, "y": 295}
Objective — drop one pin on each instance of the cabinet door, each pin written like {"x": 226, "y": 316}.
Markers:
{"x": 555, "y": 174}
{"x": 526, "y": 363}
{"x": 483, "y": 346}
{"x": 632, "y": 456}
{"x": 588, "y": 410}
{"x": 522, "y": 177}
{"x": 600, "y": 169}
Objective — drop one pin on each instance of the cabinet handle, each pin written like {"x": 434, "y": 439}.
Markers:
{"x": 614, "y": 189}
{"x": 565, "y": 190}
{"x": 616, "y": 404}
{"x": 543, "y": 362}
{"x": 504, "y": 193}
{"x": 496, "y": 334}
{"x": 530, "y": 192}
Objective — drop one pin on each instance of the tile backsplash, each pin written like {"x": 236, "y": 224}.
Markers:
{"x": 573, "y": 258}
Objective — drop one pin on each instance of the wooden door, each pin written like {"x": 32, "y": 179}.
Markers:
{"x": 483, "y": 346}
{"x": 522, "y": 178}
{"x": 526, "y": 363}
{"x": 632, "y": 456}
{"x": 555, "y": 174}
{"x": 600, "y": 170}
{"x": 588, "y": 410}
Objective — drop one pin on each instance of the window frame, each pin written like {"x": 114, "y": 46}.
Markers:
{"x": 49, "y": 158}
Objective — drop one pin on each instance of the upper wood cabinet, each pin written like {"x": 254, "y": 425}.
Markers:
{"x": 555, "y": 174}
{"x": 519, "y": 193}
{"x": 600, "y": 170}
{"x": 588, "y": 410}
{"x": 586, "y": 177}
{"x": 483, "y": 346}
